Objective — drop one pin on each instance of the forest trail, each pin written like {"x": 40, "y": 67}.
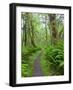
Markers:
{"x": 37, "y": 67}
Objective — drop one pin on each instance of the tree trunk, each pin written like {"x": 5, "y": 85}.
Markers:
{"x": 54, "y": 33}
{"x": 32, "y": 31}
{"x": 46, "y": 28}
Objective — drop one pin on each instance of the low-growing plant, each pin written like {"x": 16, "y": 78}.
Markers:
{"x": 55, "y": 57}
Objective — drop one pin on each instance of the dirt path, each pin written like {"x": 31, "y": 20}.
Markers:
{"x": 37, "y": 68}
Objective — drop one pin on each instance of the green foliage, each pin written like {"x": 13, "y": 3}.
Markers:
{"x": 26, "y": 70}
{"x": 27, "y": 52}
{"x": 28, "y": 56}
{"x": 55, "y": 56}
{"x": 42, "y": 32}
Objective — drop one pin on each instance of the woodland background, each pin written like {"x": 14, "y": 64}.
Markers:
{"x": 42, "y": 44}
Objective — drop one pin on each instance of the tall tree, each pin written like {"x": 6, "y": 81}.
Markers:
{"x": 24, "y": 28}
{"x": 54, "y": 33}
{"x": 32, "y": 30}
{"x": 46, "y": 28}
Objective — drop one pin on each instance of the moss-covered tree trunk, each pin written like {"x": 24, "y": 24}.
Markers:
{"x": 53, "y": 28}
{"x": 46, "y": 29}
{"x": 31, "y": 30}
{"x": 24, "y": 29}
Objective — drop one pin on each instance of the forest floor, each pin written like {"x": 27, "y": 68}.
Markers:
{"x": 37, "y": 71}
